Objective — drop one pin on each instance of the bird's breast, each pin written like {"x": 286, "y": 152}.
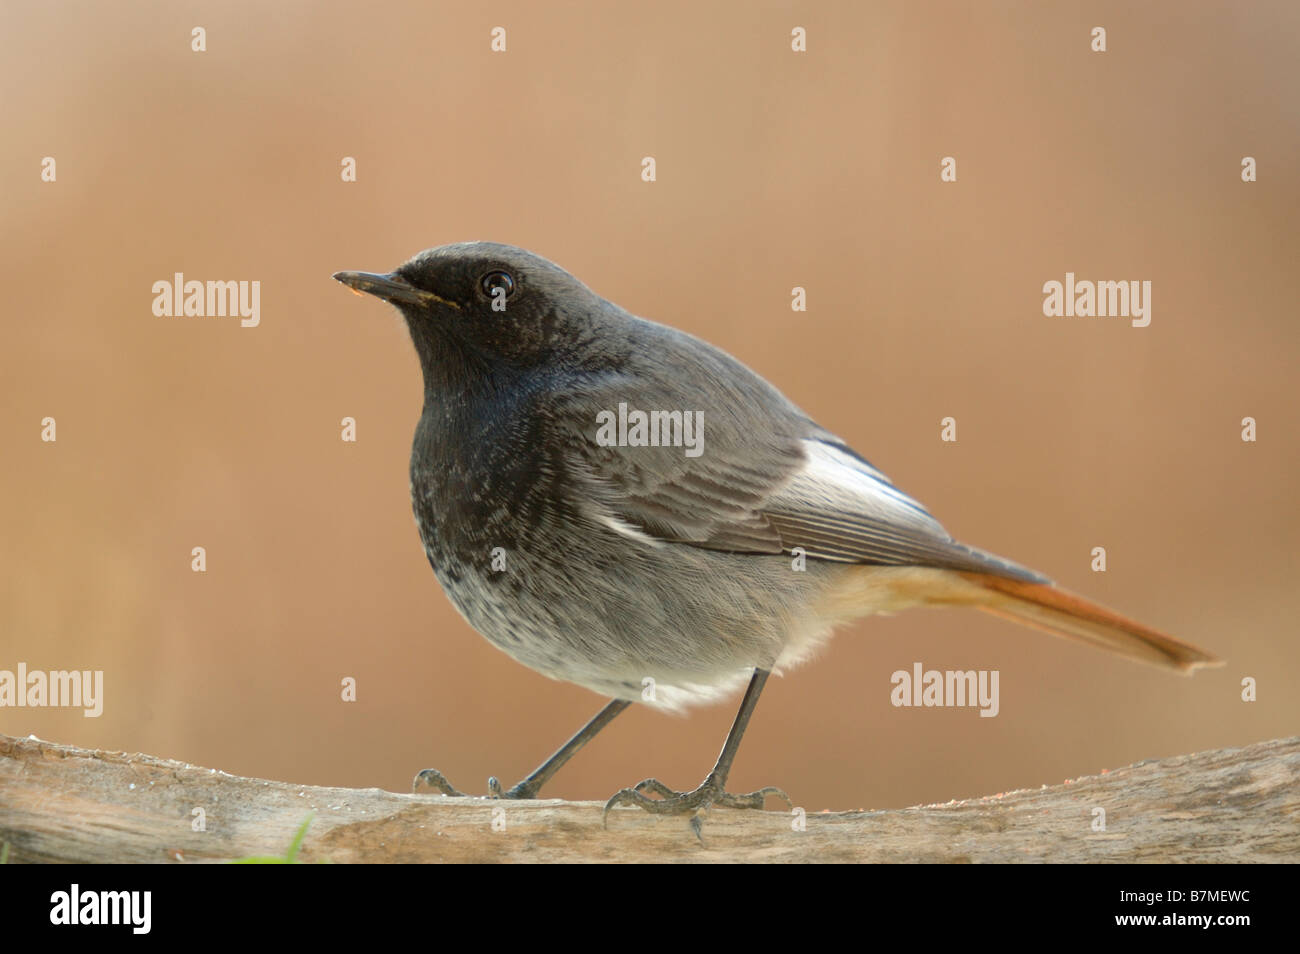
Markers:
{"x": 481, "y": 485}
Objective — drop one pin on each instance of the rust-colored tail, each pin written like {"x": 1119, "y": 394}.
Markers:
{"x": 1061, "y": 613}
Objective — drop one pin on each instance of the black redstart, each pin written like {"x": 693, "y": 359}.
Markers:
{"x": 620, "y": 505}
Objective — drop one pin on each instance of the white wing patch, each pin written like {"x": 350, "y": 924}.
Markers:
{"x": 844, "y": 484}
{"x": 627, "y": 530}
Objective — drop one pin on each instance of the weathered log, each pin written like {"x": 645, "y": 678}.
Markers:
{"x": 64, "y": 804}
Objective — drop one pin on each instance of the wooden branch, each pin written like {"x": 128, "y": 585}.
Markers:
{"x": 59, "y": 803}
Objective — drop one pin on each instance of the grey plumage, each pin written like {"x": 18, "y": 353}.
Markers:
{"x": 630, "y": 563}
{"x": 666, "y": 571}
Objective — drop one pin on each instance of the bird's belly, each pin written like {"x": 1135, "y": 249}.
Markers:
{"x": 669, "y": 625}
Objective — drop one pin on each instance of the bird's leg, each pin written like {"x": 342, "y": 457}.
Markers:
{"x": 712, "y": 790}
{"x": 529, "y": 787}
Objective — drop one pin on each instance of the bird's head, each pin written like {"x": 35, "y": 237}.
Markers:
{"x": 484, "y": 305}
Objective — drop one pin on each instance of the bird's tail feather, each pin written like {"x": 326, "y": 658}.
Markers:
{"x": 1062, "y": 613}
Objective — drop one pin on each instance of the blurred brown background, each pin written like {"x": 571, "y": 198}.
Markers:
{"x": 774, "y": 170}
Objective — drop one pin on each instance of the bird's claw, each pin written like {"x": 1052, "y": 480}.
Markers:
{"x": 433, "y": 779}
{"x": 695, "y": 803}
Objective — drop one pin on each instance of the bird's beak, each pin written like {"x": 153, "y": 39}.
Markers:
{"x": 392, "y": 288}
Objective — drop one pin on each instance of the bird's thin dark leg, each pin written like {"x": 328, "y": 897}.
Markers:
{"x": 729, "y": 748}
{"x": 712, "y": 790}
{"x": 530, "y": 786}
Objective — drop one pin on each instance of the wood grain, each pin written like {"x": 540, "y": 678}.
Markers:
{"x": 64, "y": 804}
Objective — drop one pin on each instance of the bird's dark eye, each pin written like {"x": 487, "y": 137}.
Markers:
{"x": 498, "y": 280}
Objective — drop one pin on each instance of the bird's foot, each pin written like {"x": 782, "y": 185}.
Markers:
{"x": 695, "y": 804}
{"x": 435, "y": 780}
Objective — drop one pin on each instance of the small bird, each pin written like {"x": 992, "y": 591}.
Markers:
{"x": 617, "y": 504}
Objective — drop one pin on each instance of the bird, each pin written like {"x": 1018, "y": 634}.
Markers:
{"x": 618, "y": 504}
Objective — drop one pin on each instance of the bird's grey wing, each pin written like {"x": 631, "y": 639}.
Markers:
{"x": 713, "y": 500}
{"x": 839, "y": 507}
{"x": 762, "y": 484}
